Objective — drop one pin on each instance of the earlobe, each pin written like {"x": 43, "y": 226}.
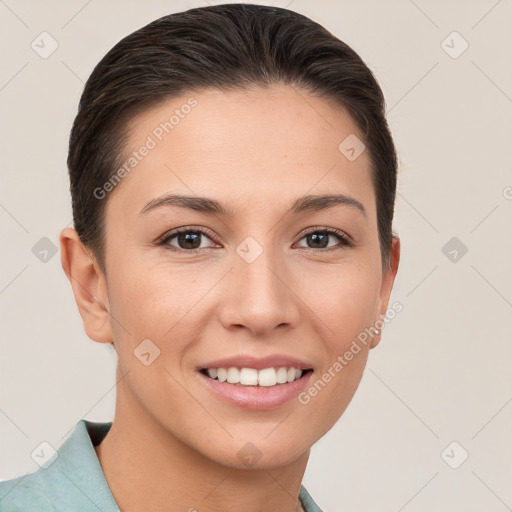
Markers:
{"x": 89, "y": 286}
{"x": 388, "y": 280}
{"x": 375, "y": 340}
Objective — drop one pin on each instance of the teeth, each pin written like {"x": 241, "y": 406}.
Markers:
{"x": 251, "y": 377}
{"x": 267, "y": 377}
{"x": 233, "y": 375}
{"x": 248, "y": 376}
{"x": 282, "y": 375}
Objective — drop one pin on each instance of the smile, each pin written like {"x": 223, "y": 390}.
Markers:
{"x": 266, "y": 377}
{"x": 257, "y": 390}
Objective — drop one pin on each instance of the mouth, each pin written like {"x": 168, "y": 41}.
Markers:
{"x": 259, "y": 382}
{"x": 255, "y": 389}
{"x": 254, "y": 378}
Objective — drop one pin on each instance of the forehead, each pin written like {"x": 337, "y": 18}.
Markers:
{"x": 242, "y": 147}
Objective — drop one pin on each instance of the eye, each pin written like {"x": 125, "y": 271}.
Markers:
{"x": 190, "y": 240}
{"x": 319, "y": 238}
{"x": 187, "y": 239}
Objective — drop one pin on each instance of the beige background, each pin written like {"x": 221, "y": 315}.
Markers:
{"x": 442, "y": 372}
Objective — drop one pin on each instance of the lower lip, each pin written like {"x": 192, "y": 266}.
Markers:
{"x": 256, "y": 397}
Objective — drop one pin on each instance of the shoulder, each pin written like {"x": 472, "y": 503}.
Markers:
{"x": 24, "y": 493}
{"x": 70, "y": 480}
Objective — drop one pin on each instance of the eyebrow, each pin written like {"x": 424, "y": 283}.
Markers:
{"x": 211, "y": 206}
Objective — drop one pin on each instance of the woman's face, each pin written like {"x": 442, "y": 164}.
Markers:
{"x": 261, "y": 284}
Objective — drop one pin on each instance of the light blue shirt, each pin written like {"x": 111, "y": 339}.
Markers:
{"x": 74, "y": 481}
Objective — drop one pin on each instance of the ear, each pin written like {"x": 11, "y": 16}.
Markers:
{"x": 388, "y": 278}
{"x": 89, "y": 286}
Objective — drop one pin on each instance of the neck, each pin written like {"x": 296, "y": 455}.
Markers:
{"x": 147, "y": 468}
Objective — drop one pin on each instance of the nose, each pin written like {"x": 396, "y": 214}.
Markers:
{"x": 259, "y": 295}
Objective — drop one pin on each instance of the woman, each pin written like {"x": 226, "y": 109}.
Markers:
{"x": 233, "y": 183}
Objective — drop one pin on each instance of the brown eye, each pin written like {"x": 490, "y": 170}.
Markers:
{"x": 319, "y": 239}
{"x": 186, "y": 239}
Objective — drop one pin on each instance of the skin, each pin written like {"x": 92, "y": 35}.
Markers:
{"x": 172, "y": 440}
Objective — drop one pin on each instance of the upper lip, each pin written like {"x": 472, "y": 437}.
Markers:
{"x": 259, "y": 363}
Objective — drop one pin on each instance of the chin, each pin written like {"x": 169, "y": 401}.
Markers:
{"x": 265, "y": 454}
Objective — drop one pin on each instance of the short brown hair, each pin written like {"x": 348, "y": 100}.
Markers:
{"x": 222, "y": 46}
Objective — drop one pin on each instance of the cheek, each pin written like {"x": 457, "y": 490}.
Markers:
{"x": 345, "y": 299}
{"x": 162, "y": 304}
{"x": 152, "y": 300}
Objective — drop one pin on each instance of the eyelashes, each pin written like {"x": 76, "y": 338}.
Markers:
{"x": 343, "y": 239}
{"x": 180, "y": 234}
{"x": 193, "y": 236}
